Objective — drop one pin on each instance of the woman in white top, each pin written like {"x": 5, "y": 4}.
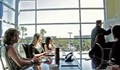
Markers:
{"x": 49, "y": 45}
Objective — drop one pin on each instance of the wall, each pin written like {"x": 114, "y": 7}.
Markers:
{"x": 117, "y": 7}
{"x": 112, "y": 16}
{"x": 112, "y": 8}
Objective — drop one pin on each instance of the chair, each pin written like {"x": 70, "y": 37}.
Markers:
{"x": 4, "y": 59}
{"x": 23, "y": 50}
{"x": 107, "y": 52}
{"x": 7, "y": 64}
{"x": 43, "y": 47}
{"x": 25, "y": 47}
{"x": 105, "y": 57}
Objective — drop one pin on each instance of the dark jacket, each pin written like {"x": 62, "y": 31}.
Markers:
{"x": 31, "y": 51}
{"x": 116, "y": 53}
{"x": 95, "y": 55}
{"x": 98, "y": 54}
{"x": 96, "y": 31}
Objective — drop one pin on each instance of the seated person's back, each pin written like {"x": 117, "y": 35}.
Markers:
{"x": 98, "y": 52}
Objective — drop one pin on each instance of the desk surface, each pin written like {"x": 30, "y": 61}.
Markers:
{"x": 86, "y": 62}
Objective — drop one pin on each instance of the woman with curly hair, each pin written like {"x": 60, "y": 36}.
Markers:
{"x": 11, "y": 37}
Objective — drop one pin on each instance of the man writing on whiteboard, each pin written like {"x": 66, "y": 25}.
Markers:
{"x": 97, "y": 29}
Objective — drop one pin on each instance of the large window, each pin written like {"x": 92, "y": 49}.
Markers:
{"x": 91, "y": 15}
{"x": 59, "y": 18}
{"x": 23, "y": 17}
{"x": 8, "y": 17}
{"x": 69, "y": 22}
{"x": 57, "y": 4}
{"x": 92, "y": 3}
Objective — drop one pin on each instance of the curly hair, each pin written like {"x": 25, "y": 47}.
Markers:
{"x": 9, "y": 34}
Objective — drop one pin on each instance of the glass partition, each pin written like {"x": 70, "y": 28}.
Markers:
{"x": 8, "y": 15}
{"x": 27, "y": 17}
{"x": 92, "y": 3}
{"x": 30, "y": 4}
{"x": 11, "y": 3}
{"x": 58, "y": 16}
{"x": 92, "y": 15}
{"x": 57, "y": 4}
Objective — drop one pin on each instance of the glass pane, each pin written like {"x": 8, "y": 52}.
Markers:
{"x": 92, "y": 3}
{"x": 30, "y": 31}
{"x": 5, "y": 27}
{"x": 8, "y": 15}
{"x": 57, "y": 3}
{"x": 27, "y": 4}
{"x": 92, "y": 15}
{"x": 86, "y": 45}
{"x": 27, "y": 17}
{"x": 58, "y": 16}
{"x": 86, "y": 30}
{"x": 60, "y": 31}
{"x": 10, "y": 3}
{"x": 67, "y": 44}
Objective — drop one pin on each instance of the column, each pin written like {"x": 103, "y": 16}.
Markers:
{"x": 1, "y": 15}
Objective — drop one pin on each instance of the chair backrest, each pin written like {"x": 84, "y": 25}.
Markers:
{"x": 22, "y": 50}
{"x": 4, "y": 59}
{"x": 43, "y": 47}
{"x": 25, "y": 47}
{"x": 107, "y": 53}
{"x": 104, "y": 57}
{"x": 7, "y": 64}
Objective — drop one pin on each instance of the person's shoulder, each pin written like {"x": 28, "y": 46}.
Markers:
{"x": 45, "y": 44}
{"x": 11, "y": 49}
{"x": 31, "y": 45}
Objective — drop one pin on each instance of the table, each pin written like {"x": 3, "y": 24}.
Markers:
{"x": 69, "y": 65}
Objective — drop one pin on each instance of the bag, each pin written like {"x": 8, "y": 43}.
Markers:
{"x": 113, "y": 67}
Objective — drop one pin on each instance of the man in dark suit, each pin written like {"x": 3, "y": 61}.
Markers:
{"x": 98, "y": 30}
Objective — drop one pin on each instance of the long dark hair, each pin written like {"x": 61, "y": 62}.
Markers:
{"x": 100, "y": 38}
{"x": 116, "y": 31}
{"x": 47, "y": 41}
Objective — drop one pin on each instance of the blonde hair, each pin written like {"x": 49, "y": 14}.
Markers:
{"x": 9, "y": 34}
{"x": 36, "y": 37}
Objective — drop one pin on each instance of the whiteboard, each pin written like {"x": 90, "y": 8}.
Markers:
{"x": 112, "y": 22}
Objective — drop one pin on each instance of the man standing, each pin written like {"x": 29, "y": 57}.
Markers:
{"x": 98, "y": 30}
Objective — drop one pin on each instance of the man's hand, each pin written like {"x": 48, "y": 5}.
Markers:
{"x": 110, "y": 27}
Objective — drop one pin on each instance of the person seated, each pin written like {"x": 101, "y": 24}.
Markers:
{"x": 11, "y": 36}
{"x": 35, "y": 48}
{"x": 98, "y": 54}
{"x": 49, "y": 45}
{"x": 115, "y": 54}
